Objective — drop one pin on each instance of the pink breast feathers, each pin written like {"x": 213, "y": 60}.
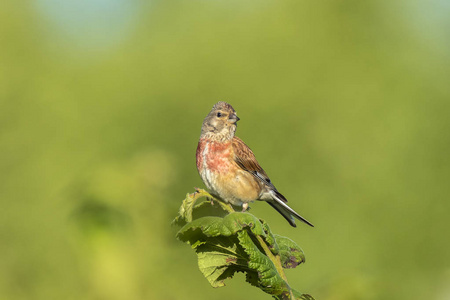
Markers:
{"x": 218, "y": 157}
{"x": 214, "y": 156}
{"x": 199, "y": 154}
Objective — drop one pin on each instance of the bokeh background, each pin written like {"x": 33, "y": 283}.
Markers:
{"x": 345, "y": 103}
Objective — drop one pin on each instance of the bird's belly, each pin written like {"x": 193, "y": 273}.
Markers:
{"x": 232, "y": 188}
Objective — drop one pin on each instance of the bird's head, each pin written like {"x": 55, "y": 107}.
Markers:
{"x": 220, "y": 123}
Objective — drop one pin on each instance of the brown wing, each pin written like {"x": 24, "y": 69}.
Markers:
{"x": 245, "y": 159}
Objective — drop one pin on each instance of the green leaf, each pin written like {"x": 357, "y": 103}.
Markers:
{"x": 191, "y": 210}
{"x": 290, "y": 253}
{"x": 185, "y": 211}
{"x": 208, "y": 208}
{"x": 229, "y": 242}
{"x": 268, "y": 278}
{"x": 219, "y": 253}
{"x": 270, "y": 238}
{"x": 215, "y": 226}
{"x": 220, "y": 258}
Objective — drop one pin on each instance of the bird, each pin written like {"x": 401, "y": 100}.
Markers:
{"x": 229, "y": 168}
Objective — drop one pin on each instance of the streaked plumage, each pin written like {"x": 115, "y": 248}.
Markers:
{"x": 229, "y": 168}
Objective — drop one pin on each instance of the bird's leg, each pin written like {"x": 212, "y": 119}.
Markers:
{"x": 244, "y": 207}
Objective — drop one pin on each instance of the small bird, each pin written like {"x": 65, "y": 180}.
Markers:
{"x": 229, "y": 168}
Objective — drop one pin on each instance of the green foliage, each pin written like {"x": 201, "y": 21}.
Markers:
{"x": 228, "y": 242}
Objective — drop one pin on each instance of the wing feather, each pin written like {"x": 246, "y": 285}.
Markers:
{"x": 246, "y": 160}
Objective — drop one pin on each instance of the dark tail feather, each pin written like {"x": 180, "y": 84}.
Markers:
{"x": 284, "y": 213}
{"x": 287, "y": 212}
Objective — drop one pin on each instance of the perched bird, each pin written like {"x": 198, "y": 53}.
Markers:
{"x": 229, "y": 168}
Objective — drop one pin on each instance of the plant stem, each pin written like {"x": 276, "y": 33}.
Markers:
{"x": 276, "y": 260}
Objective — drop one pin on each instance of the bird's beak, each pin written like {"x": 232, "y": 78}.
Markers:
{"x": 233, "y": 118}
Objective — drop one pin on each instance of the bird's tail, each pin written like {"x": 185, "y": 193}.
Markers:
{"x": 279, "y": 203}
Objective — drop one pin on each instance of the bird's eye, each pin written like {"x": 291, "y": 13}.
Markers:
{"x": 219, "y": 114}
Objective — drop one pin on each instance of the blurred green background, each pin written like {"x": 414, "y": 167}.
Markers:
{"x": 345, "y": 103}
